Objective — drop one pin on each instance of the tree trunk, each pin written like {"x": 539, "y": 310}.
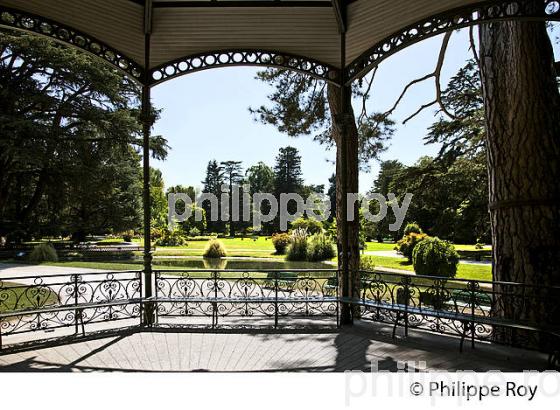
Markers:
{"x": 523, "y": 129}
{"x": 352, "y": 173}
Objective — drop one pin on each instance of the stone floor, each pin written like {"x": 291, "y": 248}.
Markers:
{"x": 351, "y": 348}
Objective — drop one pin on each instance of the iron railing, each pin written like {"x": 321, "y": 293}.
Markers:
{"x": 477, "y": 309}
{"x": 270, "y": 294}
{"x": 34, "y": 309}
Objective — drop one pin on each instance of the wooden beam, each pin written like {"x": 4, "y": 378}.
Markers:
{"x": 340, "y": 13}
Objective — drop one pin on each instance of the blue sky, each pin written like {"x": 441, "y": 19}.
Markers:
{"x": 205, "y": 116}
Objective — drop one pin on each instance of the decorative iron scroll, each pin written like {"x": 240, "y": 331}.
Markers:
{"x": 32, "y": 307}
{"x": 45, "y": 303}
{"x": 40, "y": 25}
{"x": 454, "y": 307}
{"x": 226, "y": 58}
{"x": 451, "y": 20}
{"x": 276, "y": 294}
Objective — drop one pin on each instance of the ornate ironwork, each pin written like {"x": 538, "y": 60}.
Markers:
{"x": 46, "y": 303}
{"x": 469, "y": 309}
{"x": 488, "y": 11}
{"x": 28, "y": 22}
{"x": 226, "y": 58}
{"x": 473, "y": 310}
{"x": 272, "y": 294}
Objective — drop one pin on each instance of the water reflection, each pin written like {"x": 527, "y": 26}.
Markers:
{"x": 220, "y": 264}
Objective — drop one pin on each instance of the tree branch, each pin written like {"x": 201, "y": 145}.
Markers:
{"x": 436, "y": 75}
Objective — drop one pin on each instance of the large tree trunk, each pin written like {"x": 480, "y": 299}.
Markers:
{"x": 523, "y": 137}
{"x": 346, "y": 134}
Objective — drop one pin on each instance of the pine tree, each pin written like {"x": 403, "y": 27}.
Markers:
{"x": 212, "y": 185}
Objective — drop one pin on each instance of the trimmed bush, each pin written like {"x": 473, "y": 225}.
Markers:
{"x": 297, "y": 250}
{"x": 44, "y": 252}
{"x": 412, "y": 227}
{"x": 311, "y": 225}
{"x": 320, "y": 248}
{"x": 215, "y": 249}
{"x": 367, "y": 264}
{"x": 434, "y": 257}
{"x": 172, "y": 238}
{"x": 128, "y": 236}
{"x": 194, "y": 232}
{"x": 407, "y": 244}
{"x": 281, "y": 241}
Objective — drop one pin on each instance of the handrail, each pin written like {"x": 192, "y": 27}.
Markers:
{"x": 56, "y": 301}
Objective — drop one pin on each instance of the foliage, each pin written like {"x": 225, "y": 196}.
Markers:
{"x": 128, "y": 235}
{"x": 281, "y": 242}
{"x": 260, "y": 178}
{"x": 367, "y": 263}
{"x": 450, "y": 202}
{"x": 297, "y": 250}
{"x": 383, "y": 185}
{"x": 287, "y": 171}
{"x": 434, "y": 257}
{"x": 464, "y": 135}
{"x": 311, "y": 225}
{"x": 70, "y": 140}
{"x": 192, "y": 223}
{"x": 194, "y": 232}
{"x": 412, "y": 227}
{"x": 320, "y": 248}
{"x": 158, "y": 199}
{"x": 300, "y": 106}
{"x": 233, "y": 175}
{"x": 172, "y": 238}
{"x": 43, "y": 252}
{"x": 215, "y": 249}
{"x": 156, "y": 233}
{"x": 407, "y": 244}
{"x": 212, "y": 184}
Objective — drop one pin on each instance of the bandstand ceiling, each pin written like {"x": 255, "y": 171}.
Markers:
{"x": 179, "y": 29}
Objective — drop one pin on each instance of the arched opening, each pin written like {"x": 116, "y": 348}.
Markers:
{"x": 491, "y": 11}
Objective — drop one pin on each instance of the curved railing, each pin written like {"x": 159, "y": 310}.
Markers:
{"x": 46, "y": 308}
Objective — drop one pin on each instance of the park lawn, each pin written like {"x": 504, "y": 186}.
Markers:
{"x": 376, "y": 246}
{"x": 235, "y": 247}
{"x": 460, "y": 247}
{"x": 464, "y": 271}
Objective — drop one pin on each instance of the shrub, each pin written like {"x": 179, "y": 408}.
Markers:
{"x": 311, "y": 225}
{"x": 194, "y": 232}
{"x": 281, "y": 242}
{"x": 128, "y": 235}
{"x": 156, "y": 233}
{"x": 320, "y": 248}
{"x": 43, "y": 252}
{"x": 412, "y": 227}
{"x": 367, "y": 264}
{"x": 407, "y": 244}
{"x": 297, "y": 250}
{"x": 434, "y": 257}
{"x": 172, "y": 238}
{"x": 215, "y": 249}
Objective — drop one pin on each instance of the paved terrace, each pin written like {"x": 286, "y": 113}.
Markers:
{"x": 352, "y": 348}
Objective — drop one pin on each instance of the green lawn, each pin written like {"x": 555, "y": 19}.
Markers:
{"x": 464, "y": 271}
{"x": 236, "y": 247}
{"x": 376, "y": 246}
